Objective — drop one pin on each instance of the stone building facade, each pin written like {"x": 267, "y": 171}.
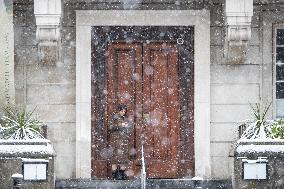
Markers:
{"x": 56, "y": 79}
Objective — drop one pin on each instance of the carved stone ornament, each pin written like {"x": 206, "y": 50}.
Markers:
{"x": 238, "y": 20}
{"x": 48, "y": 16}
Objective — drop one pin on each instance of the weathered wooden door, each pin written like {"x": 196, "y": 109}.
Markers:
{"x": 145, "y": 77}
{"x": 161, "y": 110}
{"x": 155, "y": 79}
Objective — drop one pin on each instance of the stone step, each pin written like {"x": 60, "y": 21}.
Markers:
{"x": 135, "y": 184}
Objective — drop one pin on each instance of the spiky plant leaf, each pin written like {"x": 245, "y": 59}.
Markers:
{"x": 19, "y": 124}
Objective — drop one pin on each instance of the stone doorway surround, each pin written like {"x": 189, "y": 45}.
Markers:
{"x": 199, "y": 19}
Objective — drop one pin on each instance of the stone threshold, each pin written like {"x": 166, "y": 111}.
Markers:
{"x": 135, "y": 184}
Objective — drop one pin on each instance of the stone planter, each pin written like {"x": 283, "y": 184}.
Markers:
{"x": 259, "y": 164}
{"x": 36, "y": 153}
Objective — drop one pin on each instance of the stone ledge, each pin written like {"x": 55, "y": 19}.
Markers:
{"x": 26, "y": 148}
{"x": 151, "y": 184}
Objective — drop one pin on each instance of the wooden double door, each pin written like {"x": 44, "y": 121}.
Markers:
{"x": 147, "y": 77}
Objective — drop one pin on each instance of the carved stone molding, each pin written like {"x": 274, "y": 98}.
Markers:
{"x": 238, "y": 20}
{"x": 48, "y": 17}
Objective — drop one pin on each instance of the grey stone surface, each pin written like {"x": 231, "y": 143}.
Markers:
{"x": 20, "y": 97}
{"x": 229, "y": 132}
{"x": 253, "y": 55}
{"x": 151, "y": 184}
{"x": 217, "y": 36}
{"x": 68, "y": 36}
{"x": 51, "y": 94}
{"x": 55, "y": 112}
{"x": 255, "y": 21}
{"x": 61, "y": 132}
{"x": 20, "y": 18}
{"x": 69, "y": 57}
{"x": 65, "y": 170}
{"x": 230, "y": 113}
{"x": 217, "y": 15}
{"x": 46, "y": 74}
{"x": 10, "y": 166}
{"x": 26, "y": 55}
{"x": 235, "y": 93}
{"x": 11, "y": 163}
{"x": 222, "y": 167}
{"x": 29, "y": 33}
{"x": 255, "y": 36}
{"x": 19, "y": 77}
{"x": 221, "y": 149}
{"x": 235, "y": 74}
{"x": 217, "y": 54}
{"x": 275, "y": 170}
{"x": 63, "y": 136}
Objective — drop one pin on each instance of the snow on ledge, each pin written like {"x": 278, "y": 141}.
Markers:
{"x": 264, "y": 140}
{"x": 260, "y": 148}
{"x": 34, "y": 160}
{"x": 17, "y": 175}
{"x": 21, "y": 147}
{"x": 39, "y": 140}
{"x": 197, "y": 178}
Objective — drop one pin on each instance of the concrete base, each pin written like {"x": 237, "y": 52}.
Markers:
{"x": 151, "y": 184}
{"x": 14, "y": 153}
{"x": 272, "y": 152}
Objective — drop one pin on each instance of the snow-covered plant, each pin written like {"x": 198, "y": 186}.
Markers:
{"x": 19, "y": 124}
{"x": 260, "y": 127}
{"x": 277, "y": 129}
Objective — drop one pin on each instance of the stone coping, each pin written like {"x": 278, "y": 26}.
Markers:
{"x": 261, "y": 141}
{"x": 33, "y": 148}
{"x": 25, "y": 142}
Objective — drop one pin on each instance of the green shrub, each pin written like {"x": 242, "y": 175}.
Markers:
{"x": 277, "y": 129}
{"x": 19, "y": 124}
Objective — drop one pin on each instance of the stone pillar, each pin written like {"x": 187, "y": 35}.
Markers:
{"x": 7, "y": 88}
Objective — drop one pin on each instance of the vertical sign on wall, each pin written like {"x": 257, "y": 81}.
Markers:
{"x": 7, "y": 89}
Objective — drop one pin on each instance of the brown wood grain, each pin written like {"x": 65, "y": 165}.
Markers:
{"x": 155, "y": 80}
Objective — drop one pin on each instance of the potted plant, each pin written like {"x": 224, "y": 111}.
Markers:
{"x": 258, "y": 154}
{"x": 21, "y": 144}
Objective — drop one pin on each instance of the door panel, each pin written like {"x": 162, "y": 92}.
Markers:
{"x": 161, "y": 102}
{"x": 124, "y": 86}
{"x": 124, "y": 77}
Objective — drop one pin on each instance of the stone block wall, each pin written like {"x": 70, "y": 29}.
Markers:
{"x": 47, "y": 85}
{"x": 50, "y": 86}
{"x": 233, "y": 88}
